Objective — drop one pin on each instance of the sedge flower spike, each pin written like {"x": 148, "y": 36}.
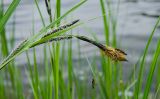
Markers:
{"x": 115, "y": 54}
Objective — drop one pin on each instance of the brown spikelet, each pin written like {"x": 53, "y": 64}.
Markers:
{"x": 115, "y": 54}
{"x": 121, "y": 51}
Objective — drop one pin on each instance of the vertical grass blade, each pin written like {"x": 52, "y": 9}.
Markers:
{"x": 105, "y": 21}
{"x": 70, "y": 70}
{"x": 106, "y": 62}
{"x": 140, "y": 74}
{"x": 151, "y": 71}
{"x": 57, "y": 53}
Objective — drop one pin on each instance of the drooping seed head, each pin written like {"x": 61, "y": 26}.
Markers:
{"x": 115, "y": 54}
